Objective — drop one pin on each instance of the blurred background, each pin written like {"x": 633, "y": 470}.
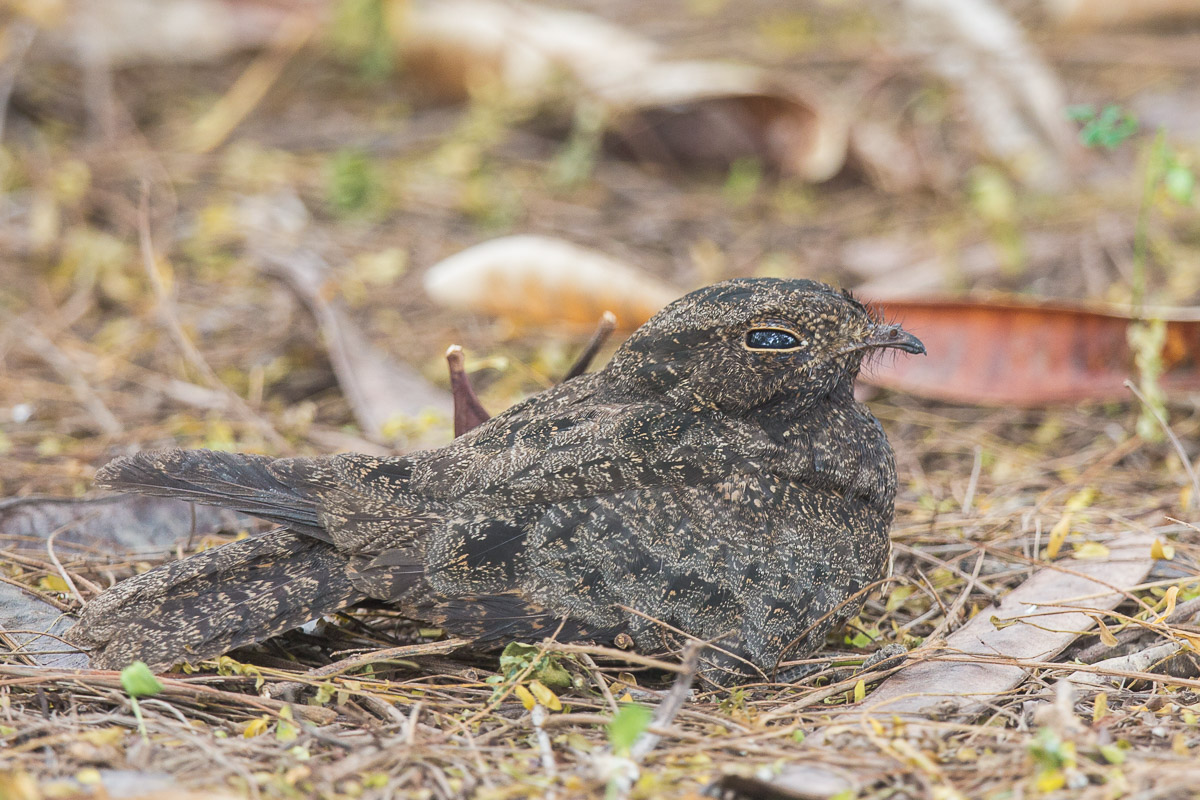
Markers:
{"x": 226, "y": 223}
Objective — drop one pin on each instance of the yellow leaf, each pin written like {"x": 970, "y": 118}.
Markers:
{"x": 1090, "y": 550}
{"x": 860, "y": 690}
{"x": 1051, "y": 781}
{"x": 53, "y": 583}
{"x": 545, "y": 696}
{"x": 1162, "y": 551}
{"x": 103, "y": 736}
{"x": 255, "y": 727}
{"x": 1100, "y": 708}
{"x": 1105, "y": 634}
{"x": 1082, "y": 499}
{"x": 1058, "y": 535}
{"x": 625, "y": 698}
{"x": 88, "y": 776}
{"x": 1169, "y": 599}
{"x": 526, "y": 697}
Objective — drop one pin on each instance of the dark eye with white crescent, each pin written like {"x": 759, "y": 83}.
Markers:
{"x": 772, "y": 339}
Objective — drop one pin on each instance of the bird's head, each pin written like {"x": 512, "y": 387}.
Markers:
{"x": 741, "y": 344}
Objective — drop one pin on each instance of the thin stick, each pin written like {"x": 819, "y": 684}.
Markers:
{"x": 62, "y": 572}
{"x": 969, "y": 497}
{"x": 604, "y": 329}
{"x": 364, "y": 659}
{"x": 598, "y": 677}
{"x": 252, "y": 85}
{"x": 538, "y": 718}
{"x": 1183, "y": 456}
{"x": 670, "y": 706}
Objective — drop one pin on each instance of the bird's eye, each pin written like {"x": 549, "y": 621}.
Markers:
{"x": 772, "y": 339}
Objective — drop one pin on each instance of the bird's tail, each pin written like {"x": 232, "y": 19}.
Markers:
{"x": 223, "y": 598}
{"x": 270, "y": 488}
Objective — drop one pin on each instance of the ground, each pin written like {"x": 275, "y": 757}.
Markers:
{"x": 93, "y": 365}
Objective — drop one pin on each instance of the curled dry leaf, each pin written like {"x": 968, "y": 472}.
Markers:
{"x": 1026, "y": 353}
{"x": 681, "y": 113}
{"x": 454, "y": 45}
{"x": 709, "y": 113}
{"x": 538, "y": 279}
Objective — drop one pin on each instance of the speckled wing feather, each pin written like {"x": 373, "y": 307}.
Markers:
{"x": 212, "y": 602}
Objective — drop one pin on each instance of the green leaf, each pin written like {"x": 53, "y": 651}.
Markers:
{"x": 626, "y": 726}
{"x": 1108, "y": 129}
{"x": 139, "y": 681}
{"x": 286, "y": 731}
{"x": 516, "y": 657}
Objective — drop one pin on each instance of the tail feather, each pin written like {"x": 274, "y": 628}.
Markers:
{"x": 256, "y": 485}
{"x": 202, "y": 606}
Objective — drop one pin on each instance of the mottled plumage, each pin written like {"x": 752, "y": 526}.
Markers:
{"x": 716, "y": 476}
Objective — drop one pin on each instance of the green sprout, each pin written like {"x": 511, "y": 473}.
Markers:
{"x": 139, "y": 681}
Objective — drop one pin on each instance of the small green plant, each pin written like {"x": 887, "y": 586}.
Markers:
{"x": 353, "y": 187}
{"x": 1108, "y": 128}
{"x": 1167, "y": 179}
{"x": 522, "y": 659}
{"x": 630, "y": 722}
{"x": 139, "y": 681}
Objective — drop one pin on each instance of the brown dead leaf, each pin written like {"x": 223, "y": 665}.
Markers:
{"x": 1029, "y": 353}
{"x": 679, "y": 113}
{"x": 712, "y": 114}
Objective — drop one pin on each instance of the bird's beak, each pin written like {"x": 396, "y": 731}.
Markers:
{"x": 894, "y": 336}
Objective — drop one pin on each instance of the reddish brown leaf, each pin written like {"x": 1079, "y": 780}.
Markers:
{"x": 1027, "y": 353}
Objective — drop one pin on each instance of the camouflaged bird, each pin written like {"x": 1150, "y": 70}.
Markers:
{"x": 716, "y": 479}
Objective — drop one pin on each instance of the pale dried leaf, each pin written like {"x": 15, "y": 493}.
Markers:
{"x": 538, "y": 279}
{"x": 961, "y": 689}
